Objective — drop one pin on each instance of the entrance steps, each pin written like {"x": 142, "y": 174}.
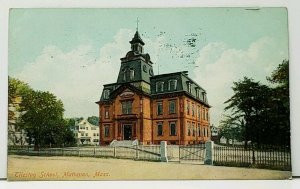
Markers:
{"x": 124, "y": 143}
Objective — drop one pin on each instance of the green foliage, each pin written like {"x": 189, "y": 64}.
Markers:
{"x": 43, "y": 119}
{"x": 264, "y": 109}
{"x": 232, "y": 128}
{"x": 93, "y": 120}
{"x": 281, "y": 75}
{"x": 17, "y": 88}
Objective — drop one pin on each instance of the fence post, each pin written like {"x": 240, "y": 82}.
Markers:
{"x": 63, "y": 153}
{"x": 163, "y": 151}
{"x": 209, "y": 155}
{"x": 78, "y": 151}
{"x": 115, "y": 151}
{"x": 137, "y": 151}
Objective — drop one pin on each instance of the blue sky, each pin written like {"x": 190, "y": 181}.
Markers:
{"x": 73, "y": 52}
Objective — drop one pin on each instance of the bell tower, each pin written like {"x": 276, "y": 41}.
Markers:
{"x": 137, "y": 44}
{"x": 136, "y": 66}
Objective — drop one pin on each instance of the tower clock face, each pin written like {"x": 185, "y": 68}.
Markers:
{"x": 145, "y": 68}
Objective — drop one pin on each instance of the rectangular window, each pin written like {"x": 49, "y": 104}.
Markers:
{"x": 172, "y": 85}
{"x": 203, "y": 114}
{"x": 131, "y": 74}
{"x": 86, "y": 134}
{"x": 172, "y": 126}
{"x": 127, "y": 107}
{"x": 199, "y": 130}
{"x": 159, "y": 128}
{"x": 172, "y": 106}
{"x": 159, "y": 108}
{"x": 188, "y": 128}
{"x": 106, "y": 130}
{"x": 189, "y": 87}
{"x": 106, "y": 94}
{"x": 188, "y": 108}
{"x": 87, "y": 128}
{"x": 159, "y": 86}
{"x": 193, "y": 110}
{"x": 204, "y": 96}
{"x": 197, "y": 93}
{"x": 207, "y": 115}
{"x": 198, "y": 112}
{"x": 106, "y": 113}
{"x": 94, "y": 134}
{"x": 82, "y": 134}
{"x": 194, "y": 129}
{"x": 124, "y": 75}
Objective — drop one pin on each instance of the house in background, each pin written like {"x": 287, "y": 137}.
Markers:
{"x": 16, "y": 136}
{"x": 152, "y": 108}
{"x": 214, "y": 133}
{"x": 86, "y": 133}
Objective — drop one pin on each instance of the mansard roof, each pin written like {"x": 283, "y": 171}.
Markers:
{"x": 182, "y": 86}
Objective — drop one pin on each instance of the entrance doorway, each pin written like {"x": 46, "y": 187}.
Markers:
{"x": 127, "y": 132}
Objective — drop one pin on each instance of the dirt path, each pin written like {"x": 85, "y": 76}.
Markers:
{"x": 80, "y": 168}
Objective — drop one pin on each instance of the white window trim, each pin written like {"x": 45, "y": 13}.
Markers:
{"x": 161, "y": 83}
{"x": 175, "y": 84}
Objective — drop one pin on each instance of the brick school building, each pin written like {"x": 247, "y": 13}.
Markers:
{"x": 152, "y": 108}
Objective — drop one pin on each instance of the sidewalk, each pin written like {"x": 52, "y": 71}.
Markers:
{"x": 80, "y": 168}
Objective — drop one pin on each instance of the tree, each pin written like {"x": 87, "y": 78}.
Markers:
{"x": 264, "y": 109}
{"x": 93, "y": 120}
{"x": 232, "y": 128}
{"x": 249, "y": 102}
{"x": 44, "y": 118}
{"x": 280, "y": 113}
{"x": 18, "y": 91}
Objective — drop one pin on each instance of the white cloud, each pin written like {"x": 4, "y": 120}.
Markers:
{"x": 218, "y": 66}
{"x": 77, "y": 77}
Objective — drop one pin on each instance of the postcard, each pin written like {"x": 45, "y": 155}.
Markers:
{"x": 148, "y": 94}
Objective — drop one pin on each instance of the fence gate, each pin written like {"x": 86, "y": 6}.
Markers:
{"x": 192, "y": 153}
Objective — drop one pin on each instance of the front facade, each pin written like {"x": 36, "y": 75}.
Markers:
{"x": 152, "y": 108}
{"x": 86, "y": 133}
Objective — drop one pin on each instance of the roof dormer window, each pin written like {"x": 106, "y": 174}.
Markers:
{"x": 189, "y": 86}
{"x": 159, "y": 86}
{"x": 106, "y": 93}
{"x": 204, "y": 96}
{"x": 197, "y": 93}
{"x": 172, "y": 84}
